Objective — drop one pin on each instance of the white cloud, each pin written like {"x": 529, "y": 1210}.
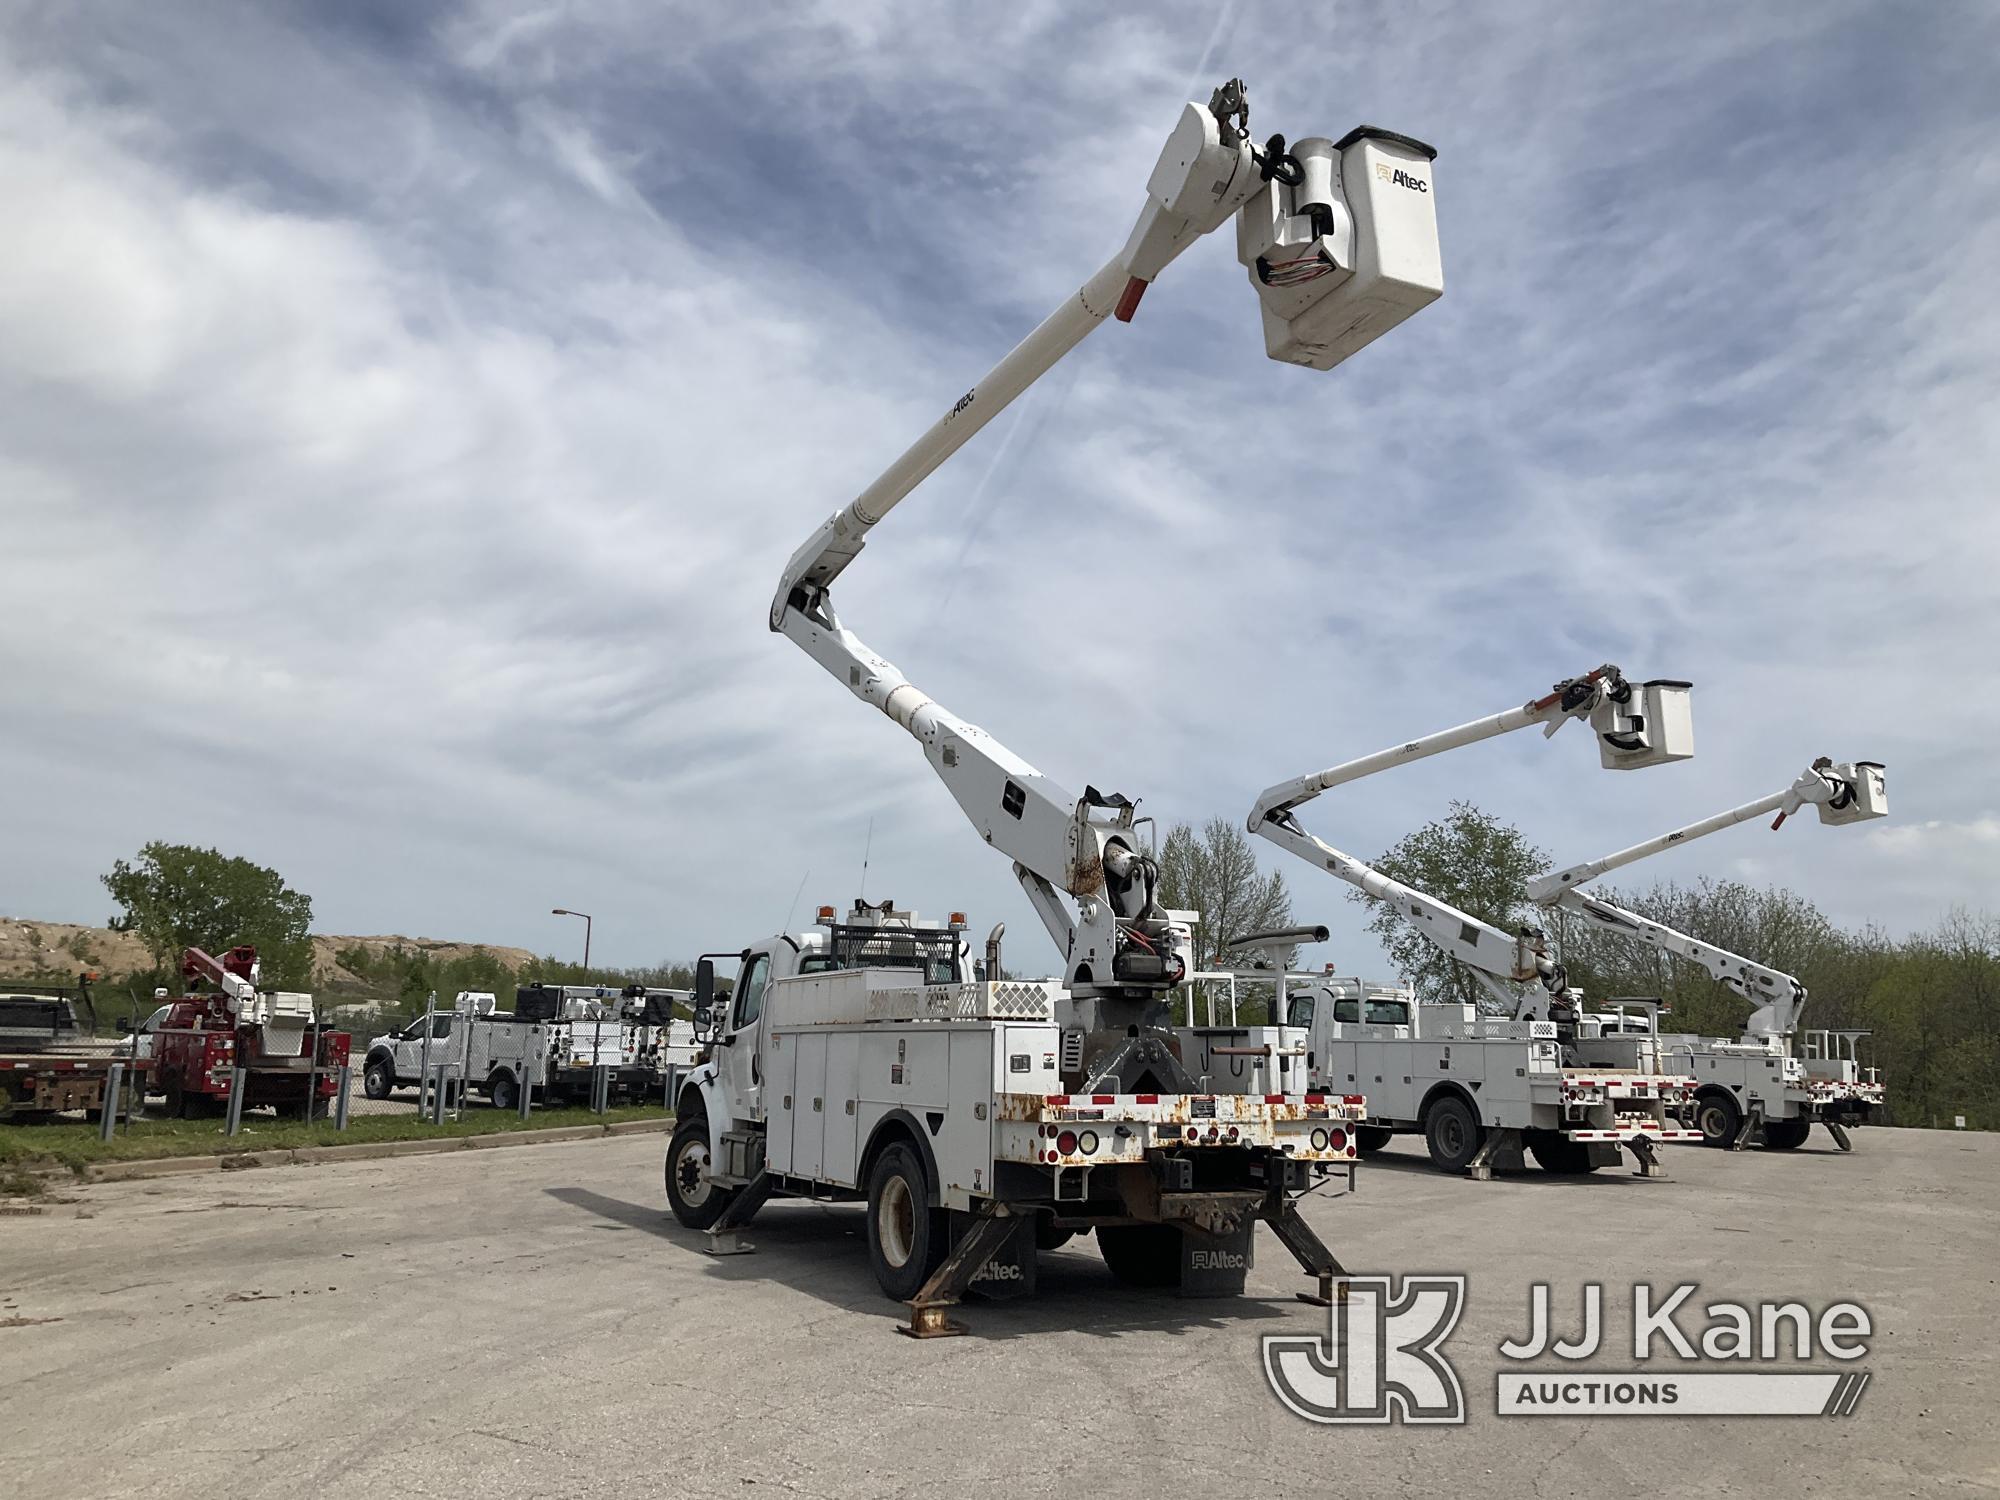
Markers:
{"x": 403, "y": 435}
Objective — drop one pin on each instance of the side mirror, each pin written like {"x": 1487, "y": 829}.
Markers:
{"x": 704, "y": 996}
{"x": 128, "y": 1024}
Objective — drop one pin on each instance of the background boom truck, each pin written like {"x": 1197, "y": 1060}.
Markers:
{"x": 290, "y": 1062}
{"x": 591, "y": 1026}
{"x": 1768, "y": 1079}
{"x": 1339, "y": 241}
{"x": 1539, "y": 1074}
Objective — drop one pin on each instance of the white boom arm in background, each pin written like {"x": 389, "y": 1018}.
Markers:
{"x": 1340, "y": 240}
{"x": 1637, "y": 725}
{"x": 1850, "y": 792}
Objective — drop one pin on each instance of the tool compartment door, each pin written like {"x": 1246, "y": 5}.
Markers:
{"x": 808, "y": 1091}
{"x": 964, "y": 1144}
{"x": 840, "y": 1153}
{"x": 780, "y": 1069}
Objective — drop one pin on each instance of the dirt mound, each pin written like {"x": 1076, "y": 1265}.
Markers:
{"x": 57, "y": 950}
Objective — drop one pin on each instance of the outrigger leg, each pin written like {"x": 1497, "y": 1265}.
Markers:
{"x": 1839, "y": 1133}
{"x": 1753, "y": 1121}
{"x": 1649, "y": 1157}
{"x": 725, "y": 1235}
{"x": 1308, "y": 1249}
{"x": 1480, "y": 1168}
{"x": 948, "y": 1283}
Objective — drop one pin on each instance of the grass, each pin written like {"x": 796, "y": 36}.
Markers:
{"x": 24, "y": 1148}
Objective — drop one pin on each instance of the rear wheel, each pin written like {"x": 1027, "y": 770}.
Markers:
{"x": 1556, "y": 1153}
{"x": 1452, "y": 1135}
{"x": 1368, "y": 1139}
{"x": 1786, "y": 1135}
{"x": 696, "y": 1201}
{"x": 504, "y": 1091}
{"x": 1146, "y": 1255}
{"x": 1718, "y": 1117}
{"x": 907, "y": 1238}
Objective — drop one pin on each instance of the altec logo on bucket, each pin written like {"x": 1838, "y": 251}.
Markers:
{"x": 1383, "y": 1359}
{"x": 1400, "y": 178}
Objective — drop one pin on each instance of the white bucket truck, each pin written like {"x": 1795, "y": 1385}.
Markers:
{"x": 1528, "y": 1070}
{"x": 1773, "y": 1080}
{"x": 1339, "y": 242}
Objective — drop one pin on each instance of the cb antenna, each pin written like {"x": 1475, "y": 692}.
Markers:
{"x": 867, "y": 845}
{"x": 786, "y": 925}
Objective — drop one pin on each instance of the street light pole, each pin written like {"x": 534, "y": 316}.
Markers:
{"x": 564, "y": 911}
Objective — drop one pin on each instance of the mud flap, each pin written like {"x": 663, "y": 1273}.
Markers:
{"x": 1010, "y": 1270}
{"x": 1216, "y": 1265}
{"x": 1604, "y": 1153}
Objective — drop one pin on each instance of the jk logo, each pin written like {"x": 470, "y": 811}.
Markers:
{"x": 1380, "y": 1361}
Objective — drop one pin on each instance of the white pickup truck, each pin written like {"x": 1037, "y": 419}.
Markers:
{"x": 490, "y": 1051}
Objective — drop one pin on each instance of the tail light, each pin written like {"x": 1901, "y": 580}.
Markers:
{"x": 1066, "y": 1142}
{"x": 1087, "y": 1142}
{"x": 1337, "y": 1139}
{"x": 1319, "y": 1140}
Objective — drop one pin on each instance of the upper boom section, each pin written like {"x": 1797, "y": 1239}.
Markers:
{"x": 1339, "y": 238}
{"x": 1850, "y": 792}
{"x": 1340, "y": 241}
{"x": 1647, "y": 724}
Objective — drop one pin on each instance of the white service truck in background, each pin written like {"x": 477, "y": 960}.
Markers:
{"x": 862, "y": 1063}
{"x": 487, "y": 1049}
{"x": 1773, "y": 1082}
{"x": 1527, "y": 1069}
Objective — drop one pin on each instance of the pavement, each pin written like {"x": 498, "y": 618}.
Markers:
{"x": 533, "y": 1322}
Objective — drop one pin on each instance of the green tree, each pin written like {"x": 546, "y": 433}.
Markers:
{"x": 176, "y": 896}
{"x": 1215, "y": 873}
{"x": 1477, "y": 863}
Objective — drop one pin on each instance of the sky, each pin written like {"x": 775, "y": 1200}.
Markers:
{"x": 405, "y": 412}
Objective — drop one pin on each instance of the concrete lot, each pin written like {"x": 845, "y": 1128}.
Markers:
{"x": 532, "y": 1322}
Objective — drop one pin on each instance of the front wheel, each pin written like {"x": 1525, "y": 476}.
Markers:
{"x": 1452, "y": 1135}
{"x": 378, "y": 1080}
{"x": 1718, "y": 1118}
{"x": 696, "y": 1200}
{"x": 907, "y": 1238}
{"x": 1786, "y": 1135}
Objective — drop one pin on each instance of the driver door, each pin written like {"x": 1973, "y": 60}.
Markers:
{"x": 741, "y": 1069}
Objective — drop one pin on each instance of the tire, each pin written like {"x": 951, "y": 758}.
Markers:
{"x": 907, "y": 1238}
{"x": 696, "y": 1201}
{"x": 1368, "y": 1139}
{"x": 176, "y": 1107}
{"x": 1147, "y": 1255}
{"x": 1786, "y": 1135}
{"x": 1451, "y": 1134}
{"x": 1718, "y": 1117}
{"x": 1047, "y": 1236}
{"x": 503, "y": 1091}
{"x": 1558, "y": 1155}
{"x": 378, "y": 1079}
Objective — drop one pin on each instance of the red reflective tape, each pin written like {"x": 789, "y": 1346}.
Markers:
{"x": 1315, "y": 1098}
{"x": 1145, "y": 1098}
{"x": 1274, "y": 1098}
{"x": 1057, "y": 1099}
{"x": 1103, "y": 1098}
